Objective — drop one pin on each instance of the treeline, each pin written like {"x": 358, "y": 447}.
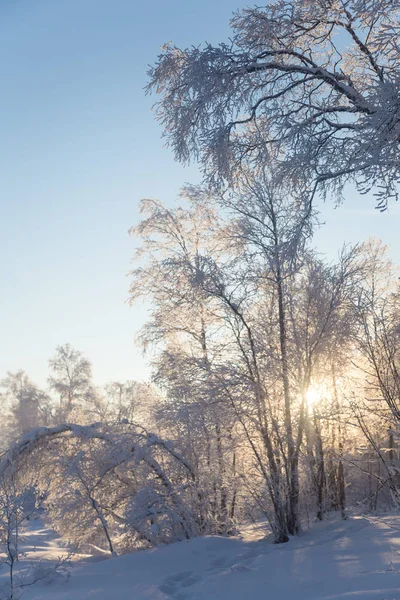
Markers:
{"x": 70, "y": 396}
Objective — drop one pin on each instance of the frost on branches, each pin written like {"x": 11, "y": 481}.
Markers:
{"x": 314, "y": 82}
{"x": 109, "y": 487}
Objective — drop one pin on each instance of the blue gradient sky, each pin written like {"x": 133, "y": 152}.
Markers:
{"x": 79, "y": 147}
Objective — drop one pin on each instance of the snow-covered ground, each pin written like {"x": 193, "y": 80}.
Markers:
{"x": 355, "y": 559}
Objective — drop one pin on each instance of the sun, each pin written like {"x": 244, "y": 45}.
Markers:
{"x": 313, "y": 395}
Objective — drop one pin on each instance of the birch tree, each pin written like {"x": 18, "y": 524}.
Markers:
{"x": 175, "y": 244}
{"x": 71, "y": 380}
{"x": 315, "y": 83}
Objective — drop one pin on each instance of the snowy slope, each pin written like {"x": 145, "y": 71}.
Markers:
{"x": 356, "y": 559}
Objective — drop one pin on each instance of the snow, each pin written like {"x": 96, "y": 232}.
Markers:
{"x": 40, "y": 543}
{"x": 355, "y": 559}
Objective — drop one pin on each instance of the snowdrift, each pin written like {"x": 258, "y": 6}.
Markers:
{"x": 354, "y": 559}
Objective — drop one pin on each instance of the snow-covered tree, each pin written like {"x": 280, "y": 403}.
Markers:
{"x": 71, "y": 380}
{"x": 245, "y": 333}
{"x": 377, "y": 408}
{"x": 26, "y": 404}
{"x": 129, "y": 401}
{"x": 175, "y": 245}
{"x": 115, "y": 486}
{"x": 313, "y": 85}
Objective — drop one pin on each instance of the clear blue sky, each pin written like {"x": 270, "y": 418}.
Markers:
{"x": 78, "y": 148}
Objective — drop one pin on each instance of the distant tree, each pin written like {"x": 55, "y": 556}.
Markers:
{"x": 315, "y": 82}
{"x": 71, "y": 380}
{"x": 28, "y": 406}
{"x": 130, "y": 400}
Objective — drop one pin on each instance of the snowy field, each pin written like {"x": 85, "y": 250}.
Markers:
{"x": 357, "y": 559}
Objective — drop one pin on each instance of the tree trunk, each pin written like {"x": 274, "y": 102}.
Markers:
{"x": 340, "y": 469}
{"x": 293, "y": 521}
{"x": 320, "y": 480}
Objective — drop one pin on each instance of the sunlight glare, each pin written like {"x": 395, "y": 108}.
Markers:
{"x": 313, "y": 395}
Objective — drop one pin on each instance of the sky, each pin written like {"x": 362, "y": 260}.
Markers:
{"x": 79, "y": 147}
